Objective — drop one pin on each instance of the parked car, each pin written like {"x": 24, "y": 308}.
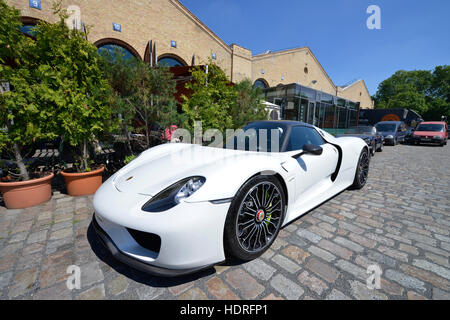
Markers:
{"x": 431, "y": 132}
{"x": 392, "y": 131}
{"x": 369, "y": 134}
{"x": 179, "y": 208}
{"x": 409, "y": 135}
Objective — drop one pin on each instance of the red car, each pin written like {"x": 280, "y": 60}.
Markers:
{"x": 431, "y": 132}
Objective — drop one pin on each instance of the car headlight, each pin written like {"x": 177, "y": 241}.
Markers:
{"x": 438, "y": 137}
{"x": 172, "y": 196}
{"x": 367, "y": 140}
{"x": 390, "y": 137}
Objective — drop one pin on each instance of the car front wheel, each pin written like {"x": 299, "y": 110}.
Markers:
{"x": 254, "y": 218}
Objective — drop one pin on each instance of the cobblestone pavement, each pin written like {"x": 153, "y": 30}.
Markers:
{"x": 400, "y": 221}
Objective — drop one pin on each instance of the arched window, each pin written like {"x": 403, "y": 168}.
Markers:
{"x": 171, "y": 61}
{"x": 115, "y": 46}
{"x": 28, "y": 26}
{"x": 261, "y": 83}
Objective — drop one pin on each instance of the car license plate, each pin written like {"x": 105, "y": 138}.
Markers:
{"x": 426, "y": 139}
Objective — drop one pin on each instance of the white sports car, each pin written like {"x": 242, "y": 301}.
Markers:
{"x": 179, "y": 208}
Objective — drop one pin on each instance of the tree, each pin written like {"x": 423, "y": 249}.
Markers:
{"x": 212, "y": 99}
{"x": 25, "y": 114}
{"x": 119, "y": 72}
{"x": 424, "y": 91}
{"x": 73, "y": 86}
{"x": 248, "y": 106}
{"x": 153, "y": 96}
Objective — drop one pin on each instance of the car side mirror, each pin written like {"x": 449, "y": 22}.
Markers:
{"x": 310, "y": 149}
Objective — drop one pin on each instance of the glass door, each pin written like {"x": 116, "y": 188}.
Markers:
{"x": 311, "y": 110}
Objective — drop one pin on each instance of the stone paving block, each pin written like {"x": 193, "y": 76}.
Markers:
{"x": 368, "y": 243}
{"x": 325, "y": 255}
{"x": 118, "y": 285}
{"x": 313, "y": 283}
{"x": 296, "y": 254}
{"x": 323, "y": 270}
{"x": 351, "y": 268}
{"x": 306, "y": 234}
{"x": 193, "y": 294}
{"x": 405, "y": 280}
{"x": 5, "y": 278}
{"x": 179, "y": 289}
{"x": 350, "y": 227}
{"x": 37, "y": 237}
{"x": 22, "y": 283}
{"x": 260, "y": 269}
{"x": 335, "y": 249}
{"x": 349, "y": 244}
{"x": 401, "y": 256}
{"x": 426, "y": 265}
{"x": 286, "y": 287}
{"x": 337, "y": 295}
{"x": 150, "y": 293}
{"x": 439, "y": 294}
{"x": 244, "y": 283}
{"x": 57, "y": 292}
{"x": 361, "y": 292}
{"x": 90, "y": 274}
{"x": 285, "y": 263}
{"x": 219, "y": 290}
{"x": 95, "y": 293}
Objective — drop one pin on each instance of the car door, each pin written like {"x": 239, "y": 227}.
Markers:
{"x": 313, "y": 174}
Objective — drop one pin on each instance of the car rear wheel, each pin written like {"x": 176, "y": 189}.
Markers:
{"x": 373, "y": 149}
{"x": 255, "y": 218}
{"x": 362, "y": 171}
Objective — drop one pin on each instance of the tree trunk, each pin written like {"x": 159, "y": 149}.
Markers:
{"x": 127, "y": 136}
{"x": 85, "y": 156}
{"x": 19, "y": 160}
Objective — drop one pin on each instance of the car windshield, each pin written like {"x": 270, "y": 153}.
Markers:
{"x": 385, "y": 127}
{"x": 360, "y": 130}
{"x": 259, "y": 136}
{"x": 430, "y": 127}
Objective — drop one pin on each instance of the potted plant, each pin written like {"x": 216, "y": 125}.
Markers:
{"x": 81, "y": 98}
{"x": 23, "y": 119}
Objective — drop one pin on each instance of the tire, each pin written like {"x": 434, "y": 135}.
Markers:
{"x": 362, "y": 171}
{"x": 372, "y": 150}
{"x": 380, "y": 148}
{"x": 247, "y": 235}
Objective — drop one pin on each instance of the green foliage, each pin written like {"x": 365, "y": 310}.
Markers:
{"x": 129, "y": 158}
{"x": 248, "y": 106}
{"x": 25, "y": 115}
{"x": 218, "y": 103}
{"x": 153, "y": 97}
{"x": 69, "y": 69}
{"x": 211, "y": 101}
{"x": 427, "y": 92}
{"x": 58, "y": 88}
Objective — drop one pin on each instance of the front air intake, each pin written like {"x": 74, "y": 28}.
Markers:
{"x": 146, "y": 240}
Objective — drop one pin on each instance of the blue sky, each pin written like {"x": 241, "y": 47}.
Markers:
{"x": 414, "y": 35}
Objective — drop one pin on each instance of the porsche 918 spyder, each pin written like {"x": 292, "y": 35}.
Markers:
{"x": 179, "y": 208}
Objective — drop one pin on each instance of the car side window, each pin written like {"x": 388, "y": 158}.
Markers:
{"x": 301, "y": 135}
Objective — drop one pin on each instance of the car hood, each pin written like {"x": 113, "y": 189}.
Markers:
{"x": 160, "y": 167}
{"x": 428, "y": 133}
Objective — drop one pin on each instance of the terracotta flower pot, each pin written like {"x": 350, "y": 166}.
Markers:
{"x": 24, "y": 194}
{"x": 83, "y": 184}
